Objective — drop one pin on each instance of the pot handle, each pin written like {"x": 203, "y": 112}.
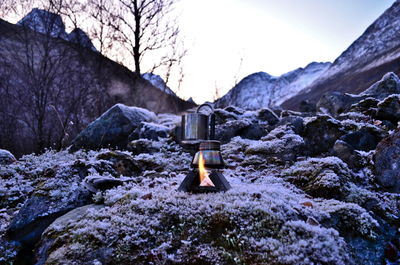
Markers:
{"x": 205, "y": 105}
{"x": 211, "y": 120}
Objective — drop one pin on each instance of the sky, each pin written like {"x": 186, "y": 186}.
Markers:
{"x": 230, "y": 39}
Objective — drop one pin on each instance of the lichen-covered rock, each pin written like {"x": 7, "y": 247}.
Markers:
{"x": 320, "y": 133}
{"x": 112, "y": 128}
{"x": 388, "y": 85}
{"x": 6, "y": 157}
{"x": 387, "y": 162}
{"x": 389, "y": 109}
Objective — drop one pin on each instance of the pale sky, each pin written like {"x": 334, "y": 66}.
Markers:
{"x": 267, "y": 35}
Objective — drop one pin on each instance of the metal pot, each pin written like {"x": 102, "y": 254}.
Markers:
{"x": 198, "y": 126}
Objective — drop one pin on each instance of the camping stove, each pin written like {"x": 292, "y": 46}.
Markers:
{"x": 205, "y": 176}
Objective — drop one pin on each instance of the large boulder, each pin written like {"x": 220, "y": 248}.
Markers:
{"x": 112, "y": 128}
{"x": 387, "y": 162}
{"x": 6, "y": 157}
{"x": 388, "y": 85}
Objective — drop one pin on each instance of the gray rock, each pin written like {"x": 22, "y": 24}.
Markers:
{"x": 101, "y": 183}
{"x": 365, "y": 139}
{"x": 389, "y": 109}
{"x": 112, "y": 128}
{"x": 149, "y": 130}
{"x": 347, "y": 153}
{"x": 387, "y": 162}
{"x": 244, "y": 128}
{"x": 143, "y": 146}
{"x": 268, "y": 116}
{"x": 367, "y": 106}
{"x": 6, "y": 157}
{"x": 235, "y": 110}
{"x": 335, "y": 102}
{"x": 222, "y": 116}
{"x": 321, "y": 133}
{"x": 296, "y": 123}
{"x": 39, "y": 211}
{"x": 388, "y": 85}
{"x": 64, "y": 221}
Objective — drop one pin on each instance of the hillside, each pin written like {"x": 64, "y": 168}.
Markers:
{"x": 54, "y": 88}
{"x": 374, "y": 53}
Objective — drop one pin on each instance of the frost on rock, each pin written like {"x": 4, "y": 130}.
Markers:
{"x": 247, "y": 224}
{"x": 327, "y": 177}
{"x": 281, "y": 144}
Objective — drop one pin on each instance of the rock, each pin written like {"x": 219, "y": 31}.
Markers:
{"x": 367, "y": 106}
{"x": 112, "y": 128}
{"x": 143, "y": 146}
{"x": 230, "y": 129}
{"x": 235, "y": 110}
{"x": 296, "y": 123}
{"x": 222, "y": 116}
{"x": 335, "y": 102}
{"x": 306, "y": 106}
{"x": 40, "y": 211}
{"x": 389, "y": 109}
{"x": 320, "y": 133}
{"x": 388, "y": 85}
{"x": 365, "y": 139}
{"x": 387, "y": 162}
{"x": 280, "y": 145}
{"x": 254, "y": 132}
{"x": 49, "y": 237}
{"x": 122, "y": 163}
{"x": 6, "y": 157}
{"x": 347, "y": 153}
{"x": 151, "y": 131}
{"x": 101, "y": 183}
{"x": 268, "y": 115}
{"x": 325, "y": 177}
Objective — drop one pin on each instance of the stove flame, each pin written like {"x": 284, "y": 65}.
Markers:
{"x": 205, "y": 181}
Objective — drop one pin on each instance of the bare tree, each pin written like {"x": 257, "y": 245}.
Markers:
{"x": 141, "y": 27}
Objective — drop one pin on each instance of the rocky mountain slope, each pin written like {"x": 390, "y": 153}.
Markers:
{"x": 374, "y": 53}
{"x": 263, "y": 90}
{"x": 307, "y": 188}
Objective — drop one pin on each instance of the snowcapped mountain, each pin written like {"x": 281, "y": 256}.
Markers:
{"x": 263, "y": 90}
{"x": 158, "y": 82}
{"x": 49, "y": 23}
{"x": 365, "y": 61}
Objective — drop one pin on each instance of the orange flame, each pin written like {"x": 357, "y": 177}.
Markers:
{"x": 204, "y": 179}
